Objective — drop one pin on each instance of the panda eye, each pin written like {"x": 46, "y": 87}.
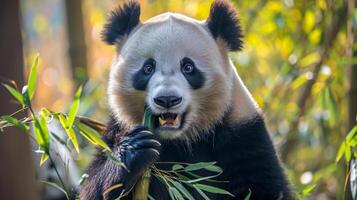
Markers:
{"x": 187, "y": 69}
{"x": 187, "y": 66}
{"x": 149, "y": 66}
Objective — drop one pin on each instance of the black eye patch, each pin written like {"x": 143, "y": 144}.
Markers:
{"x": 192, "y": 74}
{"x": 142, "y": 77}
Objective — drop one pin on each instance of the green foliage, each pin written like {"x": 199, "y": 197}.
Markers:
{"x": 33, "y": 78}
{"x": 349, "y": 144}
{"x": 16, "y": 94}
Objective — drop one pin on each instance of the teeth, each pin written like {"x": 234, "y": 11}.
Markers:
{"x": 161, "y": 121}
{"x": 176, "y": 121}
{"x": 171, "y": 122}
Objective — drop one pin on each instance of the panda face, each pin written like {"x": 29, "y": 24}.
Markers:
{"x": 172, "y": 64}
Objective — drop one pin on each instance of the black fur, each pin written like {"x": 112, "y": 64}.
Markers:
{"x": 140, "y": 78}
{"x": 245, "y": 153}
{"x": 223, "y": 22}
{"x": 121, "y": 22}
{"x": 196, "y": 79}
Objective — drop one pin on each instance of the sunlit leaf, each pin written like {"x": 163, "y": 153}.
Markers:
{"x": 16, "y": 94}
{"x": 307, "y": 190}
{"x": 57, "y": 187}
{"x": 45, "y": 130}
{"x": 352, "y": 133}
{"x": 15, "y": 122}
{"x": 341, "y": 151}
{"x": 44, "y": 157}
{"x": 32, "y": 78}
{"x": 91, "y": 135}
{"x": 41, "y": 133}
{"x": 74, "y": 107}
{"x": 303, "y": 78}
{"x": 70, "y": 131}
{"x": 347, "y": 152}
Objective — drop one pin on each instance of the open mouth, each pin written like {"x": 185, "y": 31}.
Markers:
{"x": 169, "y": 121}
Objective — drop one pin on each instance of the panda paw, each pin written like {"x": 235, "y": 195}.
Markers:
{"x": 138, "y": 150}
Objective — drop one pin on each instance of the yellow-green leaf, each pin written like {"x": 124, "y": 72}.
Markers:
{"x": 15, "y": 122}
{"x": 70, "y": 131}
{"x": 41, "y": 138}
{"x": 32, "y": 78}
{"x": 44, "y": 157}
{"x": 91, "y": 135}
{"x": 74, "y": 107}
{"x": 341, "y": 151}
{"x": 347, "y": 152}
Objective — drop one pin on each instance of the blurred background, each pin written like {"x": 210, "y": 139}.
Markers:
{"x": 298, "y": 61}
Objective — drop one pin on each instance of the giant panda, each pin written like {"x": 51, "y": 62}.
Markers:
{"x": 179, "y": 67}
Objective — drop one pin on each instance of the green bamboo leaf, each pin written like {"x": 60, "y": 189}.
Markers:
{"x": 16, "y": 94}
{"x": 202, "y": 178}
{"x": 56, "y": 186}
{"x": 248, "y": 195}
{"x": 171, "y": 193}
{"x": 198, "y": 166}
{"x": 307, "y": 190}
{"x": 26, "y": 96}
{"x": 177, "y": 167}
{"x": 74, "y": 107}
{"x": 182, "y": 177}
{"x": 45, "y": 131}
{"x": 182, "y": 189}
{"x": 212, "y": 189}
{"x": 201, "y": 192}
{"x": 340, "y": 151}
{"x": 44, "y": 157}
{"x": 91, "y": 135}
{"x": 32, "y": 78}
{"x": 347, "y": 152}
{"x": 41, "y": 137}
{"x": 351, "y": 134}
{"x": 148, "y": 119}
{"x": 214, "y": 168}
{"x": 174, "y": 192}
{"x": 70, "y": 131}
{"x": 15, "y": 122}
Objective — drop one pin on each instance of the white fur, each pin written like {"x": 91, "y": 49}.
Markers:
{"x": 168, "y": 38}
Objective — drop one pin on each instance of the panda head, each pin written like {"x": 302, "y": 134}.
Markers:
{"x": 176, "y": 65}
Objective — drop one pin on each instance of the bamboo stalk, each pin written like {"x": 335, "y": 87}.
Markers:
{"x": 141, "y": 190}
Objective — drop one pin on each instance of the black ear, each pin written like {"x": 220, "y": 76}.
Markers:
{"x": 223, "y": 22}
{"x": 121, "y": 21}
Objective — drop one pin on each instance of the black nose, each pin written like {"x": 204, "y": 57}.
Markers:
{"x": 167, "y": 101}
